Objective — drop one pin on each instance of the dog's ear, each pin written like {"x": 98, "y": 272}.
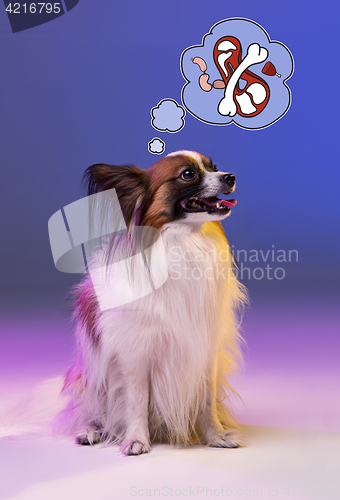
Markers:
{"x": 130, "y": 182}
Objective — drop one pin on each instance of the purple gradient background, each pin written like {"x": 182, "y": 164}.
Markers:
{"x": 79, "y": 90}
{"x": 291, "y": 376}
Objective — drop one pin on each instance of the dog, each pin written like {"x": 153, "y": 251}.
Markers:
{"x": 156, "y": 369}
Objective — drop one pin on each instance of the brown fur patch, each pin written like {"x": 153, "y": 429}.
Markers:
{"x": 164, "y": 187}
{"x": 86, "y": 310}
{"x": 130, "y": 182}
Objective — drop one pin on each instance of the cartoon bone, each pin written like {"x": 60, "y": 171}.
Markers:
{"x": 255, "y": 55}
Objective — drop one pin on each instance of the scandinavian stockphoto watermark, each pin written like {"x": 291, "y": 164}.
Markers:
{"x": 200, "y": 491}
{"x": 194, "y": 491}
{"x": 238, "y": 264}
{"x": 90, "y": 235}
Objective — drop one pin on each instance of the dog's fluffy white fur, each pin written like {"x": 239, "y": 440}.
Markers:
{"x": 156, "y": 369}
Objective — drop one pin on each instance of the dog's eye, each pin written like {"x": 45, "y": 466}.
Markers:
{"x": 188, "y": 174}
{"x": 215, "y": 168}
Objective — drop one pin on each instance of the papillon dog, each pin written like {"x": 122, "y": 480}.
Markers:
{"x": 157, "y": 369}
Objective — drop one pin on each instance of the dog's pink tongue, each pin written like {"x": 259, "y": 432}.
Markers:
{"x": 223, "y": 203}
{"x": 228, "y": 203}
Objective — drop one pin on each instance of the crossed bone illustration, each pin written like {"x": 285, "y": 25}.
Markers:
{"x": 255, "y": 55}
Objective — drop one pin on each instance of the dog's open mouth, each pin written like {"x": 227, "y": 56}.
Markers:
{"x": 210, "y": 205}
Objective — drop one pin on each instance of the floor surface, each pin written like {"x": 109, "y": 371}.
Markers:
{"x": 290, "y": 416}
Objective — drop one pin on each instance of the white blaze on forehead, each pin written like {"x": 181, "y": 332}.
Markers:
{"x": 191, "y": 154}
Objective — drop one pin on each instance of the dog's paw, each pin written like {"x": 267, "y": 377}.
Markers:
{"x": 88, "y": 437}
{"x": 226, "y": 439}
{"x": 134, "y": 446}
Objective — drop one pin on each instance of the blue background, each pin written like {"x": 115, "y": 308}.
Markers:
{"x": 79, "y": 90}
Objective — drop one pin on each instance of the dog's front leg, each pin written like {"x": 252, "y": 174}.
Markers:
{"x": 212, "y": 431}
{"x": 136, "y": 440}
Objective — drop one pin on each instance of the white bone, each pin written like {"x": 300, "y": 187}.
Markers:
{"x": 245, "y": 103}
{"x": 255, "y": 55}
{"x": 226, "y": 45}
{"x": 221, "y": 59}
{"x": 258, "y": 92}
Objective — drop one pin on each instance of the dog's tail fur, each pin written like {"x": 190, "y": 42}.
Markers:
{"x": 34, "y": 413}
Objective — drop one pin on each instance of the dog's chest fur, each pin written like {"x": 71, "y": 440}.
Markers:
{"x": 184, "y": 314}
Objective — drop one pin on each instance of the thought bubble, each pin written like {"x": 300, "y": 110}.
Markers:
{"x": 237, "y": 75}
{"x": 167, "y": 116}
{"x": 156, "y": 146}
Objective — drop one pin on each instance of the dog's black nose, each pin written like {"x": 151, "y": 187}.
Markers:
{"x": 228, "y": 179}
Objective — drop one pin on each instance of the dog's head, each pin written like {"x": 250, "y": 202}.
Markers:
{"x": 183, "y": 186}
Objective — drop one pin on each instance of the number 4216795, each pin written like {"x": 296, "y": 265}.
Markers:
{"x": 33, "y": 8}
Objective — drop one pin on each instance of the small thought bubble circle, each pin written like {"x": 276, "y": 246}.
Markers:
{"x": 167, "y": 116}
{"x": 156, "y": 146}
